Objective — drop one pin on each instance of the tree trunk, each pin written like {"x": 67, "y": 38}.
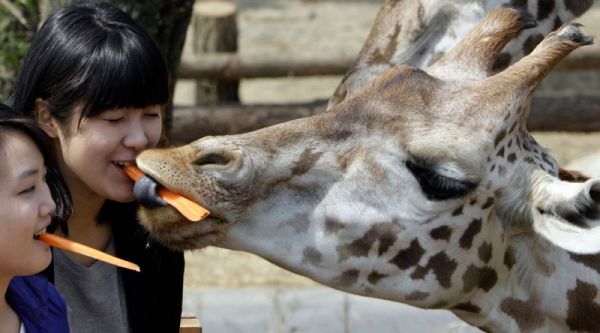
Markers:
{"x": 18, "y": 22}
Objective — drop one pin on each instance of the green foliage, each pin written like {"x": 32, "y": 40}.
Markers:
{"x": 18, "y": 23}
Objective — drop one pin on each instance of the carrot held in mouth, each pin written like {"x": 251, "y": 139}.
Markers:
{"x": 191, "y": 210}
{"x": 72, "y": 246}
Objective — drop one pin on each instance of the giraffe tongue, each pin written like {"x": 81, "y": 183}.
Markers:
{"x": 145, "y": 193}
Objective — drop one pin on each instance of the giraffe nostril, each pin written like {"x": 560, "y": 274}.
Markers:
{"x": 218, "y": 158}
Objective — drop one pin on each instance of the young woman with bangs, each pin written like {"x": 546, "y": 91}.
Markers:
{"x": 96, "y": 83}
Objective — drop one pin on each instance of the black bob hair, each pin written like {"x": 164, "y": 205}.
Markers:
{"x": 91, "y": 55}
{"x": 13, "y": 120}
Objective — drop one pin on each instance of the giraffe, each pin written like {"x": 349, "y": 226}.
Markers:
{"x": 417, "y": 33}
{"x": 423, "y": 188}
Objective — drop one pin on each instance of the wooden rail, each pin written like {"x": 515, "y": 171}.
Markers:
{"x": 233, "y": 66}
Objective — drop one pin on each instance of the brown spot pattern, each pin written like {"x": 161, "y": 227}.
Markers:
{"x": 485, "y": 252}
{"x": 583, "y": 313}
{"x": 458, "y": 211}
{"x": 518, "y": 3}
{"x": 578, "y": 7}
{"x": 545, "y": 7}
{"x": 410, "y": 256}
{"x": 333, "y": 225}
{"x": 385, "y": 233}
{"x": 531, "y": 42}
{"x": 441, "y": 233}
{"x": 374, "y": 277}
{"x": 384, "y": 56}
{"x": 416, "y": 296}
{"x": 347, "y": 279}
{"x": 590, "y": 260}
{"x": 468, "y": 307}
{"x": 500, "y": 152}
{"x": 466, "y": 240}
{"x": 442, "y": 266}
{"x": 502, "y": 61}
{"x": 509, "y": 257}
{"x": 557, "y": 23}
{"x": 490, "y": 201}
{"x": 511, "y": 158}
{"x": 525, "y": 314}
{"x": 482, "y": 277}
{"x": 337, "y": 134}
{"x": 311, "y": 255}
{"x": 306, "y": 161}
{"x": 499, "y": 137}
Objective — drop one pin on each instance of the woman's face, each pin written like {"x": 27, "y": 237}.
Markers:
{"x": 94, "y": 151}
{"x": 26, "y": 206}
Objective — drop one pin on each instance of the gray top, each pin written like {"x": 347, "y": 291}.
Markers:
{"x": 94, "y": 295}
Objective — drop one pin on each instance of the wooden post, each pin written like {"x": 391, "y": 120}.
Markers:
{"x": 189, "y": 324}
{"x": 215, "y": 30}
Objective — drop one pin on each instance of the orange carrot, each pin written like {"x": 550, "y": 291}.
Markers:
{"x": 133, "y": 172}
{"x": 191, "y": 210}
{"x": 72, "y": 246}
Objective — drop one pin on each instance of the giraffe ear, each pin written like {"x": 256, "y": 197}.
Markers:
{"x": 569, "y": 216}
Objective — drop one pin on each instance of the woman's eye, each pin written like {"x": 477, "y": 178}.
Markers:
{"x": 113, "y": 120}
{"x": 438, "y": 187}
{"x": 28, "y": 190}
{"x": 152, "y": 115}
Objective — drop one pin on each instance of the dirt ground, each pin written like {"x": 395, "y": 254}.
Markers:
{"x": 305, "y": 29}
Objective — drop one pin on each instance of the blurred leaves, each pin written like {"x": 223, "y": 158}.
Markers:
{"x": 18, "y": 23}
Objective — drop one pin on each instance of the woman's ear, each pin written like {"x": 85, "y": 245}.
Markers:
{"x": 44, "y": 119}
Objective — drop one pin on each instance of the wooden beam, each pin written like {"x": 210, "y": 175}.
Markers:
{"x": 550, "y": 113}
{"x": 232, "y": 66}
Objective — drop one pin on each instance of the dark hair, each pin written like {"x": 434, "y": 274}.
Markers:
{"x": 11, "y": 119}
{"x": 91, "y": 55}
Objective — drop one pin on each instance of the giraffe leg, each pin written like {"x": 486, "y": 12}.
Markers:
{"x": 475, "y": 55}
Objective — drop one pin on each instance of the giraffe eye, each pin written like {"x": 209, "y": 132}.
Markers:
{"x": 438, "y": 187}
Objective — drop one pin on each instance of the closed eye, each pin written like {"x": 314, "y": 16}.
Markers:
{"x": 27, "y": 190}
{"x": 438, "y": 187}
{"x": 114, "y": 120}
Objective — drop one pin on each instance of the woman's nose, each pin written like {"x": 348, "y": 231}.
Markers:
{"x": 47, "y": 205}
{"x": 136, "y": 136}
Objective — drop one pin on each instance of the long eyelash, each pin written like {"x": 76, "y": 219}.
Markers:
{"x": 436, "y": 186}
{"x": 28, "y": 190}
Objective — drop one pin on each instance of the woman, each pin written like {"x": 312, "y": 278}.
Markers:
{"x": 97, "y": 84}
{"x": 28, "y": 183}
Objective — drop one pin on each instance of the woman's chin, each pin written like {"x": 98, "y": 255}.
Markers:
{"x": 124, "y": 195}
{"x": 39, "y": 261}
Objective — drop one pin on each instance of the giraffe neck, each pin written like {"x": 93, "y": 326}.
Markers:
{"x": 541, "y": 288}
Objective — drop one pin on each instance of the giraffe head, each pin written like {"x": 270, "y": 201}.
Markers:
{"x": 413, "y": 190}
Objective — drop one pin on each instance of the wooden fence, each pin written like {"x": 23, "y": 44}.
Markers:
{"x": 212, "y": 62}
